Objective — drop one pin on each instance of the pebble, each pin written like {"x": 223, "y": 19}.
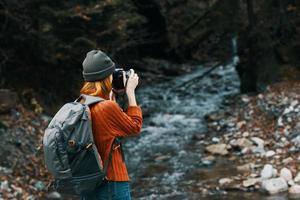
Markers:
{"x": 270, "y": 153}
{"x": 287, "y": 160}
{"x": 267, "y": 172}
{"x": 225, "y": 181}
{"x": 53, "y": 196}
{"x": 297, "y": 177}
{"x": 286, "y": 174}
{"x": 250, "y": 182}
{"x": 240, "y": 124}
{"x": 294, "y": 189}
{"x": 4, "y": 185}
{"x": 217, "y": 149}
{"x": 291, "y": 182}
{"x": 209, "y": 160}
{"x": 39, "y": 185}
{"x": 259, "y": 145}
{"x": 215, "y": 140}
{"x": 5, "y": 171}
{"x": 279, "y": 122}
{"x": 275, "y": 185}
{"x": 245, "y": 167}
{"x": 244, "y": 142}
{"x": 246, "y": 134}
{"x": 296, "y": 141}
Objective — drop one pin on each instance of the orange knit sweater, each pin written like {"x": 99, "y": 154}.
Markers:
{"x": 109, "y": 121}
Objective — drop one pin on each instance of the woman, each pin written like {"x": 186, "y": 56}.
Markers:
{"x": 109, "y": 122}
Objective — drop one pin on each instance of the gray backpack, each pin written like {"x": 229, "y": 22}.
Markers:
{"x": 70, "y": 153}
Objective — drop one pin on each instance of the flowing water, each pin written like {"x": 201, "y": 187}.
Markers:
{"x": 165, "y": 160}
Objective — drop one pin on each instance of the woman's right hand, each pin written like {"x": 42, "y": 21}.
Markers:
{"x": 132, "y": 82}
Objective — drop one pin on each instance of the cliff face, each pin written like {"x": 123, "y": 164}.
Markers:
{"x": 42, "y": 43}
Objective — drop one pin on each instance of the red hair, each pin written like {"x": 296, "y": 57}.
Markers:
{"x": 99, "y": 88}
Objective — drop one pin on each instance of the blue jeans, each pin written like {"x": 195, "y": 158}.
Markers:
{"x": 111, "y": 190}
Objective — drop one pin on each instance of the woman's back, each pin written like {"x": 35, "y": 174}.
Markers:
{"x": 109, "y": 122}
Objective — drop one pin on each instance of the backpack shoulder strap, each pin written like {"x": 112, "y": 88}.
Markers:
{"x": 88, "y": 99}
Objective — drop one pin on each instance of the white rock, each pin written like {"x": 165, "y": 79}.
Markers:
{"x": 245, "y": 167}
{"x": 240, "y": 124}
{"x": 296, "y": 141}
{"x": 288, "y": 110}
{"x": 267, "y": 172}
{"x": 275, "y": 185}
{"x": 215, "y": 140}
{"x": 297, "y": 177}
{"x": 249, "y": 182}
{"x": 291, "y": 183}
{"x": 295, "y": 189}
{"x": 275, "y": 172}
{"x": 224, "y": 181}
{"x": 246, "y": 134}
{"x": 217, "y": 149}
{"x": 294, "y": 103}
{"x": 243, "y": 142}
{"x": 54, "y": 195}
{"x": 279, "y": 122}
{"x": 283, "y": 139}
{"x": 287, "y": 160}
{"x": 286, "y": 174}
{"x": 270, "y": 153}
{"x": 259, "y": 145}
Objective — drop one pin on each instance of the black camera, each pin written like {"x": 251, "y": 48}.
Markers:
{"x": 118, "y": 82}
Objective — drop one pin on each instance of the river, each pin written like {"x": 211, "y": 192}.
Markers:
{"x": 165, "y": 161}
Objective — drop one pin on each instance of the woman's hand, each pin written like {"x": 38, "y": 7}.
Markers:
{"x": 132, "y": 82}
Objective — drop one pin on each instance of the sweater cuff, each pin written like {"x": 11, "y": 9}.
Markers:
{"x": 134, "y": 111}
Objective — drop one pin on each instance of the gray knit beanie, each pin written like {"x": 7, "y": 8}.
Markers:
{"x": 97, "y": 66}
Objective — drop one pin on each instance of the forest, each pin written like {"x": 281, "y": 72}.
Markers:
{"x": 241, "y": 112}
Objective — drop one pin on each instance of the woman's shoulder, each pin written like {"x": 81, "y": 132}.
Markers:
{"x": 107, "y": 105}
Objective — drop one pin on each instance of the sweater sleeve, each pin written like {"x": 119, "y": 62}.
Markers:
{"x": 124, "y": 124}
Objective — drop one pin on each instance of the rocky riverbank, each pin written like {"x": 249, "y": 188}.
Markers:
{"x": 260, "y": 135}
{"x": 22, "y": 171}
{"x": 257, "y": 135}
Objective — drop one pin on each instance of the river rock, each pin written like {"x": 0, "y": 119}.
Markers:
{"x": 215, "y": 140}
{"x": 53, "y": 196}
{"x": 225, "y": 181}
{"x": 217, "y": 149}
{"x": 297, "y": 178}
{"x": 296, "y": 141}
{"x": 39, "y": 185}
{"x": 267, "y": 172}
{"x": 275, "y": 185}
{"x": 244, "y": 142}
{"x": 259, "y": 148}
{"x": 295, "y": 189}
{"x": 250, "y": 182}
{"x": 286, "y": 174}
{"x": 240, "y": 124}
{"x": 245, "y": 167}
{"x": 279, "y": 122}
{"x": 270, "y": 153}
{"x": 5, "y": 171}
{"x": 291, "y": 183}
{"x": 209, "y": 160}
{"x": 287, "y": 160}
